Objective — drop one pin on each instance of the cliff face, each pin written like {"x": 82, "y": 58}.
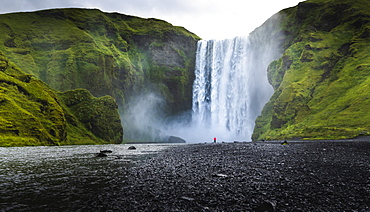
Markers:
{"x": 105, "y": 53}
{"x": 322, "y": 80}
{"x": 31, "y": 113}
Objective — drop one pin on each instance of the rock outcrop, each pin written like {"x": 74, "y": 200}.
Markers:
{"x": 322, "y": 80}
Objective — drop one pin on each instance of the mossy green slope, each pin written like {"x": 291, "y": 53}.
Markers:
{"x": 322, "y": 80}
{"x": 97, "y": 115}
{"x": 31, "y": 113}
{"x": 106, "y": 53}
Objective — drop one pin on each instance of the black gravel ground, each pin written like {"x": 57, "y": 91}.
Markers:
{"x": 300, "y": 176}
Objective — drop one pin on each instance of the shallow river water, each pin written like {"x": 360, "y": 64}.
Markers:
{"x": 62, "y": 178}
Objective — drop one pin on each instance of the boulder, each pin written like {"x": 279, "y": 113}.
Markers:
{"x": 174, "y": 139}
{"x": 285, "y": 143}
{"x": 100, "y": 154}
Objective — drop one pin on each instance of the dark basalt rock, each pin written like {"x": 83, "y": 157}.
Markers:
{"x": 131, "y": 148}
{"x": 312, "y": 176}
{"x": 100, "y": 154}
{"x": 266, "y": 206}
{"x": 105, "y": 151}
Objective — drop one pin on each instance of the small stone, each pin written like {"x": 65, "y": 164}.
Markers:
{"x": 101, "y": 155}
{"x": 132, "y": 148}
{"x": 187, "y": 198}
{"x": 219, "y": 175}
{"x": 267, "y": 206}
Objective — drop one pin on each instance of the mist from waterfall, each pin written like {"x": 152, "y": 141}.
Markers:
{"x": 231, "y": 85}
{"x": 230, "y": 89}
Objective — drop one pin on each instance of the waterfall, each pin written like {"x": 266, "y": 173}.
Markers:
{"x": 231, "y": 85}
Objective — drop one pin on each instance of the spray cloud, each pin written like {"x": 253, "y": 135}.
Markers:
{"x": 229, "y": 92}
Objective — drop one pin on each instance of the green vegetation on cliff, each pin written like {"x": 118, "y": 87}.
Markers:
{"x": 97, "y": 115}
{"x": 105, "y": 53}
{"x": 322, "y": 80}
{"x": 108, "y": 54}
{"x": 31, "y": 113}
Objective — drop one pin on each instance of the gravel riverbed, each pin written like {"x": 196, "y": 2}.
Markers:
{"x": 300, "y": 176}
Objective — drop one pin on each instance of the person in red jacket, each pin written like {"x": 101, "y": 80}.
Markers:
{"x": 214, "y": 140}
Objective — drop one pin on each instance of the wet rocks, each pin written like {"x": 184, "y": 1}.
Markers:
{"x": 101, "y": 154}
{"x": 301, "y": 176}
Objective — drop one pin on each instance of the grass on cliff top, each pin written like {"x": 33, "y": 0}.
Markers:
{"x": 353, "y": 3}
{"x": 30, "y": 38}
{"x": 154, "y": 27}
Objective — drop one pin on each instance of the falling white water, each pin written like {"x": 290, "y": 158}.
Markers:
{"x": 230, "y": 89}
{"x": 231, "y": 85}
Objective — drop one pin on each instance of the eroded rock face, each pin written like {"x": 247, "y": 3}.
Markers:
{"x": 171, "y": 60}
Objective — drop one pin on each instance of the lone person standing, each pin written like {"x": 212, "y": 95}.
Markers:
{"x": 214, "y": 140}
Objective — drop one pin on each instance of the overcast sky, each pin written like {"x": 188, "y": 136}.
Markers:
{"x": 209, "y": 19}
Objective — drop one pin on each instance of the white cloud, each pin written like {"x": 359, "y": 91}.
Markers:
{"x": 208, "y": 19}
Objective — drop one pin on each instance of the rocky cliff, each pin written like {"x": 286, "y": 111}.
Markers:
{"x": 32, "y": 113}
{"x": 322, "y": 79}
{"x": 105, "y": 53}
